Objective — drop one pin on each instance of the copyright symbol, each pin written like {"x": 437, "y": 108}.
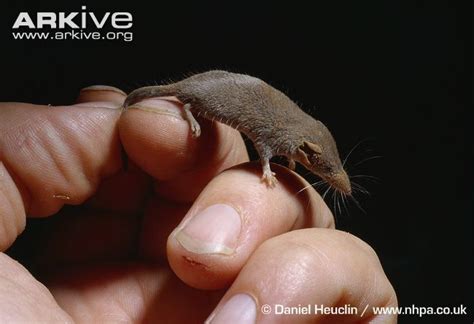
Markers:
{"x": 266, "y": 309}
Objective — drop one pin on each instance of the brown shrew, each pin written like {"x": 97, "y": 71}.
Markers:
{"x": 271, "y": 120}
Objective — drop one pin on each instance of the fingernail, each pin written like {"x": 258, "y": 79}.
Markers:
{"x": 99, "y": 104}
{"x": 162, "y": 106}
{"x": 241, "y": 308}
{"x": 215, "y": 230}
{"x": 103, "y": 88}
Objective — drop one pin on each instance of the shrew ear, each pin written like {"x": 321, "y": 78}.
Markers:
{"x": 302, "y": 156}
{"x": 308, "y": 149}
{"x": 311, "y": 148}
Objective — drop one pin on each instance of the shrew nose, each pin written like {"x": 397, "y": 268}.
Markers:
{"x": 341, "y": 182}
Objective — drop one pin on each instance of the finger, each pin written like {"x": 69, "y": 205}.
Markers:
{"x": 233, "y": 215}
{"x": 111, "y": 195}
{"x": 158, "y": 139}
{"x": 98, "y": 93}
{"x": 316, "y": 267}
{"x": 25, "y": 300}
{"x": 51, "y": 156}
{"x": 12, "y": 215}
{"x": 134, "y": 292}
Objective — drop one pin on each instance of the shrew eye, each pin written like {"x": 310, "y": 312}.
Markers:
{"x": 314, "y": 159}
{"x": 318, "y": 162}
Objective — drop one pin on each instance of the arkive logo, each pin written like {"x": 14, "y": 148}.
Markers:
{"x": 53, "y": 25}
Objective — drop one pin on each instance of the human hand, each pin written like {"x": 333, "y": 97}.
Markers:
{"x": 195, "y": 204}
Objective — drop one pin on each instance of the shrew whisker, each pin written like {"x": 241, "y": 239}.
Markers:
{"x": 365, "y": 176}
{"x": 357, "y": 204}
{"x": 360, "y": 188}
{"x": 326, "y": 192}
{"x": 317, "y": 183}
{"x": 352, "y": 150}
{"x": 368, "y": 159}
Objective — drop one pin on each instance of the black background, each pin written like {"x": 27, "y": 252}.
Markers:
{"x": 384, "y": 73}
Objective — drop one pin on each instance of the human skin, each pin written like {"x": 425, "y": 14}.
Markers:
{"x": 186, "y": 232}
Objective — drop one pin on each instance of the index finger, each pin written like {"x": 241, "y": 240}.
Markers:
{"x": 158, "y": 139}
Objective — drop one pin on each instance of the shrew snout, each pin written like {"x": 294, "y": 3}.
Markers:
{"x": 340, "y": 181}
